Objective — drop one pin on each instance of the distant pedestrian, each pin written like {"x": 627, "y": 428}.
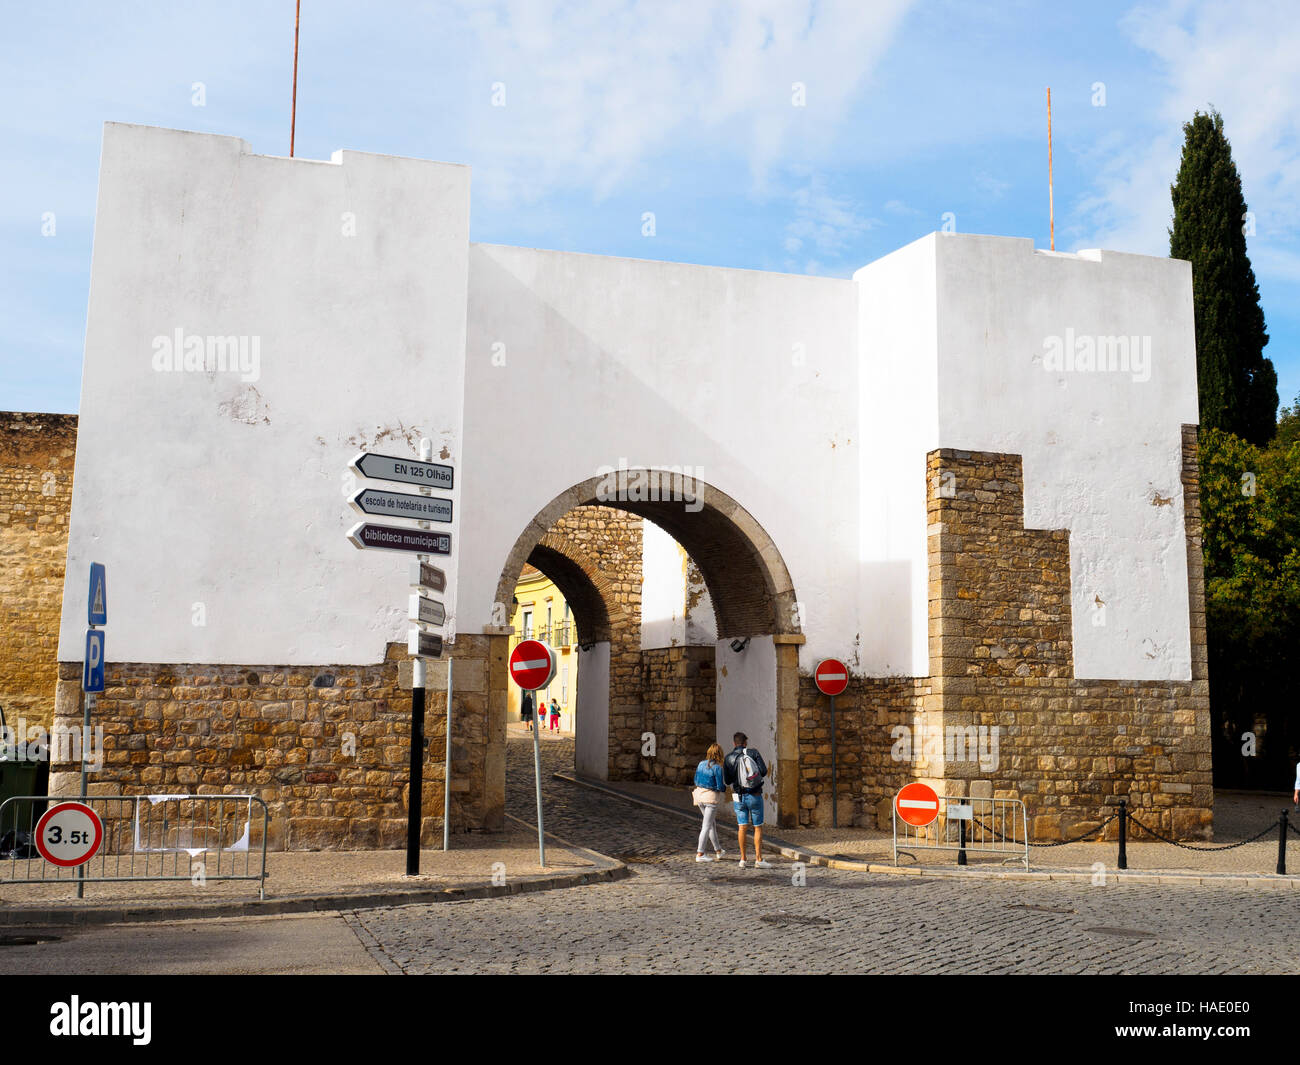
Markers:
{"x": 555, "y": 716}
{"x": 709, "y": 793}
{"x": 526, "y": 705}
{"x": 1296, "y": 797}
{"x": 745, "y": 770}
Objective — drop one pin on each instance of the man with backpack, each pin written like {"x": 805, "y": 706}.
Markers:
{"x": 744, "y": 770}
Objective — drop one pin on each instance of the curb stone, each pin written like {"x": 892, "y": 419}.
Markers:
{"x": 69, "y": 914}
{"x": 1267, "y": 882}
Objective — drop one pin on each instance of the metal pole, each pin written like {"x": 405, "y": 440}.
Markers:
{"x": 446, "y": 773}
{"x": 537, "y": 775}
{"x": 961, "y": 840}
{"x": 1123, "y": 834}
{"x": 415, "y": 800}
{"x": 1281, "y": 844}
{"x": 88, "y": 702}
{"x": 293, "y": 110}
{"x": 1051, "y": 206}
{"x": 835, "y": 791}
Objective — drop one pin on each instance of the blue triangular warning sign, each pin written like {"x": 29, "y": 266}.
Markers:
{"x": 97, "y": 602}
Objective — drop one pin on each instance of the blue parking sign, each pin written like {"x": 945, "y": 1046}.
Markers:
{"x": 97, "y": 600}
{"x": 92, "y": 671}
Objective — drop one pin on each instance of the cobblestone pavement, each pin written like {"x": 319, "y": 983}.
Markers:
{"x": 674, "y": 915}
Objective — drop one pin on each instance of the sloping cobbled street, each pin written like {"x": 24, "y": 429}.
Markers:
{"x": 676, "y": 916}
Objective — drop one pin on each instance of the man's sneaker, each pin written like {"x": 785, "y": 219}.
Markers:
{"x": 763, "y": 863}
{"x": 743, "y": 864}
{"x": 703, "y": 858}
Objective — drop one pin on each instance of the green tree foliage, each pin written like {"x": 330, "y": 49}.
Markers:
{"x": 1238, "y": 385}
{"x": 1250, "y": 506}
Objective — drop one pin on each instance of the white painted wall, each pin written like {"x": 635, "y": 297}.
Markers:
{"x": 197, "y": 488}
{"x": 667, "y": 619}
{"x": 591, "y": 743}
{"x": 1099, "y": 447}
{"x": 810, "y": 401}
{"x": 747, "y": 703}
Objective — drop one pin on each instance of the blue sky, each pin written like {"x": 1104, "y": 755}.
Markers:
{"x": 681, "y": 109}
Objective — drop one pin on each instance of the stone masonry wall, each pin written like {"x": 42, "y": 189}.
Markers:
{"x": 36, "y": 461}
{"x": 1001, "y": 658}
{"x": 327, "y": 748}
{"x": 680, "y": 686}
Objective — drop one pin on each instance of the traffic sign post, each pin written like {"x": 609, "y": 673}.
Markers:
{"x": 832, "y": 677}
{"x": 92, "y": 683}
{"x": 424, "y": 613}
{"x": 532, "y": 666}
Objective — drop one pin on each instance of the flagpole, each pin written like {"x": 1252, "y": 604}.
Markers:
{"x": 293, "y": 113}
{"x": 1051, "y": 206}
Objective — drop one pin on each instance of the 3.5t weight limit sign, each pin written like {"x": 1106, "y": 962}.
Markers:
{"x": 69, "y": 834}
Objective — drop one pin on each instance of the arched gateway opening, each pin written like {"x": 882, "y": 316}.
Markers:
{"x": 755, "y": 664}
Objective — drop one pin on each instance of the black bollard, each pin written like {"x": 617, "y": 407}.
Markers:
{"x": 961, "y": 842}
{"x": 1123, "y": 834}
{"x": 1281, "y": 844}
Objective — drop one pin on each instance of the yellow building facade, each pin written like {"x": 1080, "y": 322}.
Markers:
{"x": 541, "y": 613}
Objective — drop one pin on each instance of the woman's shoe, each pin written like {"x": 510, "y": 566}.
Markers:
{"x": 703, "y": 858}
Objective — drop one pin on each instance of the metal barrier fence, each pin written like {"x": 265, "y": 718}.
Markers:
{"x": 968, "y": 826}
{"x": 144, "y": 839}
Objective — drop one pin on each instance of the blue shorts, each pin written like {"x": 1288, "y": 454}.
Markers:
{"x": 749, "y": 809}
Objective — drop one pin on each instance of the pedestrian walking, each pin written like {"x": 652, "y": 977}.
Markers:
{"x": 526, "y": 709}
{"x": 744, "y": 769}
{"x": 555, "y": 716}
{"x": 708, "y": 794}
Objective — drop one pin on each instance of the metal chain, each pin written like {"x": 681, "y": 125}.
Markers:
{"x": 1293, "y": 828}
{"x": 1189, "y": 847}
{"x": 1059, "y": 843}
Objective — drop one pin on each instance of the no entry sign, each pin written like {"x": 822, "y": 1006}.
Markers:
{"x": 831, "y": 676}
{"x": 917, "y": 804}
{"x": 532, "y": 665}
{"x": 69, "y": 834}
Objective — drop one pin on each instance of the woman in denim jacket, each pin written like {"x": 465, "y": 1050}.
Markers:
{"x": 710, "y": 790}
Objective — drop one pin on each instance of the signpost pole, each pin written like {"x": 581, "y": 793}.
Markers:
{"x": 89, "y": 701}
{"x": 835, "y": 791}
{"x": 415, "y": 799}
{"x": 537, "y": 776}
{"x": 446, "y": 773}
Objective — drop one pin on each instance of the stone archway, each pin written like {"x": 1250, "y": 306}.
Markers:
{"x": 752, "y": 594}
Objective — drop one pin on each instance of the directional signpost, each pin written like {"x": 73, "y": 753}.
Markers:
{"x": 427, "y": 615}
{"x": 403, "y": 470}
{"x": 532, "y": 666}
{"x": 92, "y": 683}
{"x": 832, "y": 677}
{"x": 400, "y": 505}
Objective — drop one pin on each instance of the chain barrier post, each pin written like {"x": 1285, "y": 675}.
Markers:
{"x": 961, "y": 842}
{"x": 1281, "y": 843}
{"x": 1123, "y": 834}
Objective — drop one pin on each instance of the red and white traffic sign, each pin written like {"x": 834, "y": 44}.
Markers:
{"x": 69, "y": 834}
{"x": 532, "y": 665}
{"x": 832, "y": 676}
{"x": 917, "y": 804}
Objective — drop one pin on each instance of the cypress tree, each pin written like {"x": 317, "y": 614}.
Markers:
{"x": 1237, "y": 384}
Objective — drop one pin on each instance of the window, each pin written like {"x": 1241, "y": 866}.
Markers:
{"x": 564, "y": 686}
{"x": 528, "y": 625}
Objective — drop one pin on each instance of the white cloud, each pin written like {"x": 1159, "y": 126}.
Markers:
{"x": 595, "y": 89}
{"x": 1239, "y": 58}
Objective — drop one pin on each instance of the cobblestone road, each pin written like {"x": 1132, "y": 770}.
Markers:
{"x": 673, "y": 915}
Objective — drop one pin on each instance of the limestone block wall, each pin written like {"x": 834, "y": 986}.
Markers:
{"x": 326, "y": 747}
{"x": 680, "y": 691}
{"x": 36, "y": 464}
